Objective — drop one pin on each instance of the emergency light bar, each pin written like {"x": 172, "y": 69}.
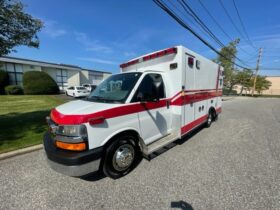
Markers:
{"x": 168, "y": 51}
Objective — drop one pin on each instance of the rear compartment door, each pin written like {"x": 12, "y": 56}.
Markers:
{"x": 189, "y": 96}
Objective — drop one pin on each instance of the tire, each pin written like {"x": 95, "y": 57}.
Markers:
{"x": 121, "y": 157}
{"x": 210, "y": 119}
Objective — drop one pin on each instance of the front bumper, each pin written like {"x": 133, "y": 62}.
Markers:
{"x": 69, "y": 162}
{"x": 81, "y": 94}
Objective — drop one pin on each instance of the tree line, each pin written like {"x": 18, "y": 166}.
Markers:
{"x": 234, "y": 76}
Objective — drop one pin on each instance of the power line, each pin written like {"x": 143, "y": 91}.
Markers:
{"x": 199, "y": 21}
{"x": 232, "y": 22}
{"x": 186, "y": 26}
{"x": 190, "y": 20}
{"x": 242, "y": 24}
{"x": 219, "y": 26}
{"x": 192, "y": 13}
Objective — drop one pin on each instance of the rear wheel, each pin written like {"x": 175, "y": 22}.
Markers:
{"x": 210, "y": 119}
{"x": 121, "y": 157}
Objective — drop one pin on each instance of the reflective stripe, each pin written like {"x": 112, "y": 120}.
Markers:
{"x": 190, "y": 96}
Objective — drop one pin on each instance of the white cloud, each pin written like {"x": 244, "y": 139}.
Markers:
{"x": 91, "y": 45}
{"x": 52, "y": 30}
{"x": 97, "y": 60}
{"x": 129, "y": 54}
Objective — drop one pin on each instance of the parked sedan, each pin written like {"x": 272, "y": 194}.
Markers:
{"x": 89, "y": 87}
{"x": 77, "y": 91}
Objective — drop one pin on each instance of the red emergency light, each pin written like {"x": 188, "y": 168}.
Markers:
{"x": 172, "y": 50}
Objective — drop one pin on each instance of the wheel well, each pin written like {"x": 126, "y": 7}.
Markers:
{"x": 126, "y": 132}
{"x": 213, "y": 111}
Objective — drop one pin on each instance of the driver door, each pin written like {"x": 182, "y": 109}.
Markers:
{"x": 155, "y": 120}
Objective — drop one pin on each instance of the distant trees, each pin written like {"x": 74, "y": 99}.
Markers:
{"x": 17, "y": 27}
{"x": 244, "y": 79}
{"x": 262, "y": 84}
{"x": 233, "y": 77}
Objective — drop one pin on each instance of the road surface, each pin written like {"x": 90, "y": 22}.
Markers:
{"x": 234, "y": 164}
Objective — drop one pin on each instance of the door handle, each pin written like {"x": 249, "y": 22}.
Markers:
{"x": 167, "y": 104}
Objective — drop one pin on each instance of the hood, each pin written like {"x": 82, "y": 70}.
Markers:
{"x": 77, "y": 112}
{"x": 80, "y": 107}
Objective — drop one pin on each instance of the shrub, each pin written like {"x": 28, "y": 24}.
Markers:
{"x": 13, "y": 90}
{"x": 37, "y": 82}
{"x": 227, "y": 92}
{"x": 4, "y": 81}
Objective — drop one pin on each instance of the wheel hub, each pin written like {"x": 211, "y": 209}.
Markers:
{"x": 123, "y": 157}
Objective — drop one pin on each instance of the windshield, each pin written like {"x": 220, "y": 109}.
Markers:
{"x": 81, "y": 88}
{"x": 116, "y": 88}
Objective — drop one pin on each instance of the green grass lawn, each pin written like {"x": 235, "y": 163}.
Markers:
{"x": 22, "y": 120}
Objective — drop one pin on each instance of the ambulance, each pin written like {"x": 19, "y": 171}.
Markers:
{"x": 155, "y": 99}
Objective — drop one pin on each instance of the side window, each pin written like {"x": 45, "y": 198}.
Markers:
{"x": 151, "y": 88}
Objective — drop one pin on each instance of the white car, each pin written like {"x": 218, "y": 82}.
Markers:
{"x": 89, "y": 87}
{"x": 77, "y": 91}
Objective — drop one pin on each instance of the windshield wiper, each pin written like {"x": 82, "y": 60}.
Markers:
{"x": 102, "y": 99}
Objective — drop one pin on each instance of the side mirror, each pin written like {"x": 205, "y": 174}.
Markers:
{"x": 140, "y": 97}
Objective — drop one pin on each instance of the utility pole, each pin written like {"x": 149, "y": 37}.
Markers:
{"x": 257, "y": 69}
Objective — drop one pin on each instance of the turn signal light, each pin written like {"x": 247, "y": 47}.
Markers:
{"x": 71, "y": 146}
{"x": 96, "y": 120}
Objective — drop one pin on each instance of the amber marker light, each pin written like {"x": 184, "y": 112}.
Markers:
{"x": 71, "y": 146}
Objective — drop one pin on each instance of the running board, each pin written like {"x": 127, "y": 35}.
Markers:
{"x": 149, "y": 149}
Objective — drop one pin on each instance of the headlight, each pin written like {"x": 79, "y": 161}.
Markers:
{"x": 72, "y": 130}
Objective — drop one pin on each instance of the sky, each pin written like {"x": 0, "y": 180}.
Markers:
{"x": 102, "y": 34}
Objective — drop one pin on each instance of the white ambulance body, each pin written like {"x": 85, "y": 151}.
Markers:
{"x": 155, "y": 100}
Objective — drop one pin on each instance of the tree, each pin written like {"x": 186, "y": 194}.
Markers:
{"x": 17, "y": 27}
{"x": 38, "y": 82}
{"x": 244, "y": 78}
{"x": 261, "y": 84}
{"x": 227, "y": 61}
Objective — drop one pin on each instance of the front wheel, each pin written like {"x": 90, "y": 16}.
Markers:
{"x": 121, "y": 157}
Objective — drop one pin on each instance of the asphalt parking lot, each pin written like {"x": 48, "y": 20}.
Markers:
{"x": 235, "y": 164}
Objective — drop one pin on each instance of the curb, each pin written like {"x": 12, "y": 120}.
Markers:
{"x": 20, "y": 151}
{"x": 227, "y": 98}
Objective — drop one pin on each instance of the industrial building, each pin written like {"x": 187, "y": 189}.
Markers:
{"x": 65, "y": 75}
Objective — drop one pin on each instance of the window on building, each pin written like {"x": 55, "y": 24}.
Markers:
{"x": 61, "y": 78}
{"x": 96, "y": 76}
{"x": 15, "y": 72}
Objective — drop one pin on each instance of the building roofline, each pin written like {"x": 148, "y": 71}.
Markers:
{"x": 46, "y": 64}
{"x": 93, "y": 70}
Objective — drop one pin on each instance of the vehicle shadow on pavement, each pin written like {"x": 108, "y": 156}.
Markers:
{"x": 181, "y": 205}
{"x": 92, "y": 177}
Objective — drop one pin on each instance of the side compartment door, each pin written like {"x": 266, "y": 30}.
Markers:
{"x": 155, "y": 117}
{"x": 201, "y": 106}
{"x": 188, "y": 99}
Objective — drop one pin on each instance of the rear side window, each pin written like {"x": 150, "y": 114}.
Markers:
{"x": 147, "y": 88}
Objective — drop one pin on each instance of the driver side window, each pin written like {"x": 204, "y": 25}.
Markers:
{"x": 147, "y": 90}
